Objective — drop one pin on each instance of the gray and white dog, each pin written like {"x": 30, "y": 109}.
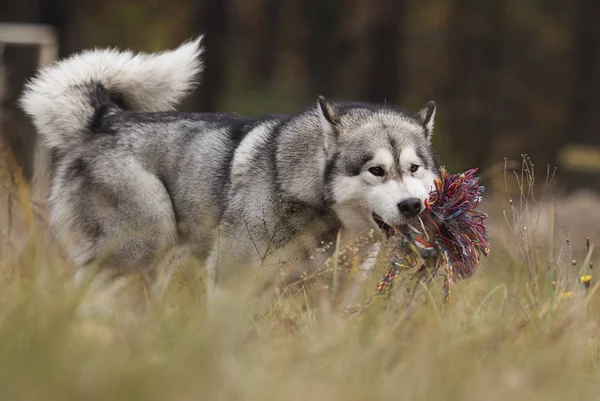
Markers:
{"x": 132, "y": 179}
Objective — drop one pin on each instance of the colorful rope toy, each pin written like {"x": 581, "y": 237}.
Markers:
{"x": 452, "y": 235}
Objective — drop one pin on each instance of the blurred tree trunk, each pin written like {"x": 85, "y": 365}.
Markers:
{"x": 584, "y": 128}
{"x": 323, "y": 18}
{"x": 264, "y": 57}
{"x": 386, "y": 42}
{"x": 62, "y": 14}
{"x": 214, "y": 21}
{"x": 474, "y": 88}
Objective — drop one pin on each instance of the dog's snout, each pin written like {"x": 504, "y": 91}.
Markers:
{"x": 410, "y": 207}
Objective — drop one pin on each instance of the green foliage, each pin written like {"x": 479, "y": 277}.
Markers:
{"x": 137, "y": 25}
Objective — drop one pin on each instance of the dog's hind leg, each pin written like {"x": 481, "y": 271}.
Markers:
{"x": 113, "y": 214}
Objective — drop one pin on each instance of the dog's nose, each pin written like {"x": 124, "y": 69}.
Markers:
{"x": 410, "y": 207}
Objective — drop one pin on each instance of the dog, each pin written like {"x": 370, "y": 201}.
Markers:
{"x": 132, "y": 179}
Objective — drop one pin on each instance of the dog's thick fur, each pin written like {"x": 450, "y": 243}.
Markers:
{"x": 133, "y": 179}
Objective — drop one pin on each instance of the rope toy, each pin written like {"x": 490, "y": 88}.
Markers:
{"x": 451, "y": 238}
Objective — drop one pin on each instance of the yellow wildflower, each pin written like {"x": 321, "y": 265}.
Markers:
{"x": 585, "y": 279}
{"x": 566, "y": 295}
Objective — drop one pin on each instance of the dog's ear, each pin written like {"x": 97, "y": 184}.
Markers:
{"x": 330, "y": 121}
{"x": 426, "y": 116}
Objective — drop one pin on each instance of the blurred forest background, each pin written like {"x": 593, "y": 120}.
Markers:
{"x": 510, "y": 77}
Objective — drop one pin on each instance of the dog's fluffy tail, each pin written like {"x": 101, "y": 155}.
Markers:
{"x": 65, "y": 98}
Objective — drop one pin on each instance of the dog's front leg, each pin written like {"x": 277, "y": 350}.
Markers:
{"x": 213, "y": 289}
{"x": 358, "y": 281}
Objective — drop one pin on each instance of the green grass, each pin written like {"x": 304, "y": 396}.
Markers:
{"x": 507, "y": 333}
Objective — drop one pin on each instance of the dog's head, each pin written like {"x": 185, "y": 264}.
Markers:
{"x": 381, "y": 164}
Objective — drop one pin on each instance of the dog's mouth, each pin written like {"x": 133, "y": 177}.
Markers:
{"x": 385, "y": 227}
{"x": 390, "y": 230}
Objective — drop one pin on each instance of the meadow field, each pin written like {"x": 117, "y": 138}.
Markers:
{"x": 524, "y": 327}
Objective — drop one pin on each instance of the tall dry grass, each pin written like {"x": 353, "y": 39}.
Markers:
{"x": 523, "y": 328}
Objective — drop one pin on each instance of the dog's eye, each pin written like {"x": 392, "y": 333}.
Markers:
{"x": 414, "y": 168}
{"x": 377, "y": 171}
